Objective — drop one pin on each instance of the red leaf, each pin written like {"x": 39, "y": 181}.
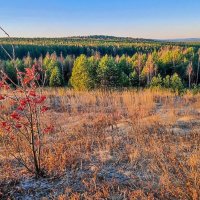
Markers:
{"x": 20, "y": 108}
{"x": 44, "y": 109}
{"x": 23, "y": 102}
{"x": 18, "y": 126}
{"x": 15, "y": 115}
{"x": 40, "y": 100}
{"x": 1, "y": 97}
{"x": 4, "y": 124}
{"x": 32, "y": 93}
{"x": 48, "y": 129}
{"x": 1, "y": 84}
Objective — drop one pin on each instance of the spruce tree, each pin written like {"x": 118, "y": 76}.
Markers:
{"x": 56, "y": 78}
{"x": 81, "y": 79}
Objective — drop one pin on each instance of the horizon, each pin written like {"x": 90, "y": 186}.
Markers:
{"x": 78, "y": 36}
{"x": 148, "y": 19}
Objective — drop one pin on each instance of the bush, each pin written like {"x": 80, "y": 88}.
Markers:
{"x": 20, "y": 121}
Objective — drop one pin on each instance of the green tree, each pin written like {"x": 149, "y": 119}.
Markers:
{"x": 81, "y": 75}
{"x": 156, "y": 82}
{"x": 109, "y": 75}
{"x": 124, "y": 65}
{"x": 176, "y": 84}
{"x": 50, "y": 62}
{"x": 10, "y": 70}
{"x": 67, "y": 67}
{"x": 167, "y": 82}
{"x": 134, "y": 79}
{"x": 56, "y": 78}
{"x": 92, "y": 71}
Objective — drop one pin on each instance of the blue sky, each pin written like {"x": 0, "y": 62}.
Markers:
{"x": 134, "y": 18}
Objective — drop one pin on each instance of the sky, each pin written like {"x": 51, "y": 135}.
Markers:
{"x": 155, "y": 19}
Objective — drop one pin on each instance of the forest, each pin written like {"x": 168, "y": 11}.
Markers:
{"x": 94, "y": 62}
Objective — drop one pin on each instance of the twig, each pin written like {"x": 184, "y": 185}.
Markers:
{"x": 13, "y": 48}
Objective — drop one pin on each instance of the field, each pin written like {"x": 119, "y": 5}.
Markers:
{"x": 113, "y": 145}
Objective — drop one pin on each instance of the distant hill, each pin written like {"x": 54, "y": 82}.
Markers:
{"x": 96, "y": 41}
{"x": 86, "y": 38}
{"x": 106, "y": 37}
{"x": 183, "y": 40}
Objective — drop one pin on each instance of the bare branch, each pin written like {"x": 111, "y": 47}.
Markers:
{"x": 13, "y": 48}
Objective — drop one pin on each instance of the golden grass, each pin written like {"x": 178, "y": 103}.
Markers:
{"x": 116, "y": 145}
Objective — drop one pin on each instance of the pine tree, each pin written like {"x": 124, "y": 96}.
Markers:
{"x": 176, "y": 84}
{"x": 55, "y": 78}
{"x": 156, "y": 82}
{"x": 166, "y": 82}
{"x": 109, "y": 75}
{"x": 81, "y": 76}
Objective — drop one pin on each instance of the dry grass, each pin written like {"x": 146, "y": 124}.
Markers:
{"x": 114, "y": 145}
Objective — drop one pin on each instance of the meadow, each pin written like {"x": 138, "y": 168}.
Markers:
{"x": 130, "y": 144}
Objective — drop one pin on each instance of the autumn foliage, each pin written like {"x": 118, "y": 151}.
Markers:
{"x": 22, "y": 109}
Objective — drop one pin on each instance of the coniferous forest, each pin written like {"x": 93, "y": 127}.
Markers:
{"x": 92, "y": 62}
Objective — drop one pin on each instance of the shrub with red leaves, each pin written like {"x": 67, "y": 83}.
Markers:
{"x": 21, "y": 120}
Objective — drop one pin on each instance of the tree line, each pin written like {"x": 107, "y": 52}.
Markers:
{"x": 87, "y": 45}
{"x": 172, "y": 67}
{"x": 36, "y": 51}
